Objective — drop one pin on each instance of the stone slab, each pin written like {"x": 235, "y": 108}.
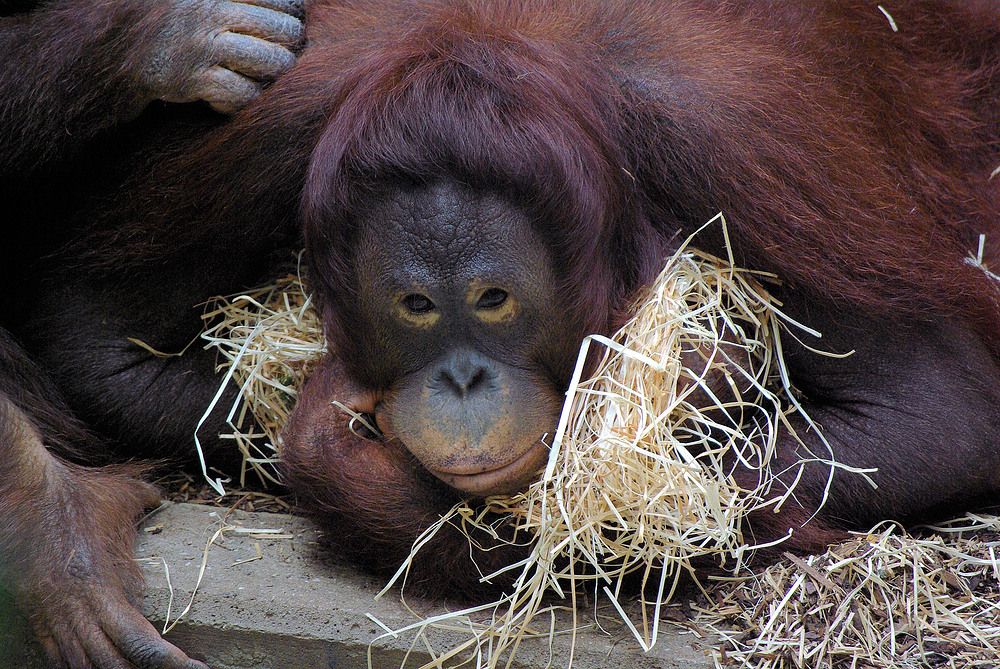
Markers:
{"x": 269, "y": 599}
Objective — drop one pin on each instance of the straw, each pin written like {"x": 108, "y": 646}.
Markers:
{"x": 270, "y": 339}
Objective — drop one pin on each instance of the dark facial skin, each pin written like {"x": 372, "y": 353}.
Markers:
{"x": 457, "y": 292}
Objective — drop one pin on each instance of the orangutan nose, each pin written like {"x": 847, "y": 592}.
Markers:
{"x": 464, "y": 373}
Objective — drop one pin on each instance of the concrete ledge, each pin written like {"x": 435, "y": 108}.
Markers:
{"x": 272, "y": 601}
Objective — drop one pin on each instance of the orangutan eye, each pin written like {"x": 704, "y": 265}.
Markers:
{"x": 418, "y": 304}
{"x": 492, "y": 298}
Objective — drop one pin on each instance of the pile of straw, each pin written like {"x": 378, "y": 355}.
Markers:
{"x": 269, "y": 340}
{"x": 883, "y": 600}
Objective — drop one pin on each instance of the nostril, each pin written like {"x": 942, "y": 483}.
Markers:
{"x": 464, "y": 373}
{"x": 463, "y": 383}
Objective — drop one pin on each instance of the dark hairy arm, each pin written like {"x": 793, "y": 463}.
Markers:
{"x": 72, "y": 72}
{"x": 75, "y": 68}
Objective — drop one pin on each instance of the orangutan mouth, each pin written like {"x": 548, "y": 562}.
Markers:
{"x": 505, "y": 479}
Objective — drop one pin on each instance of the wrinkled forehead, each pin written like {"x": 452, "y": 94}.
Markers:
{"x": 444, "y": 233}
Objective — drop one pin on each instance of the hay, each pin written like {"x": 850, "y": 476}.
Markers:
{"x": 269, "y": 340}
{"x": 638, "y": 470}
{"x": 883, "y": 600}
